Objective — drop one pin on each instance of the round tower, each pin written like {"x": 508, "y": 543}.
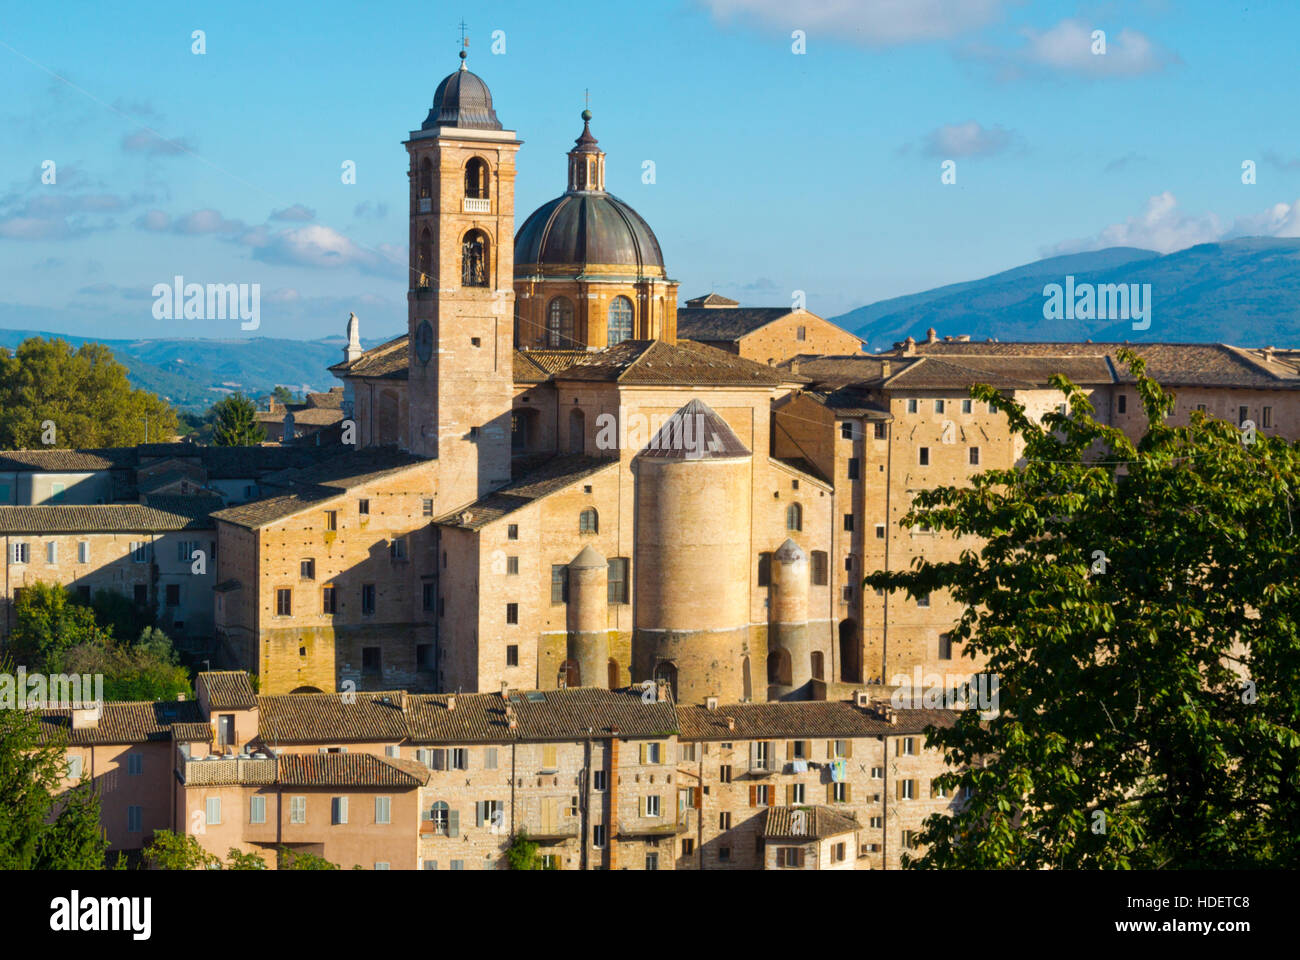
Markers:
{"x": 588, "y": 626}
{"x": 789, "y": 655}
{"x": 692, "y": 558}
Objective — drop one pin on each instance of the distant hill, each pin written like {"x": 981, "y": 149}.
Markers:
{"x": 193, "y": 374}
{"x": 1244, "y": 292}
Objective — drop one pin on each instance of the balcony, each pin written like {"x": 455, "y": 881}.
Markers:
{"x": 553, "y": 833}
{"x": 639, "y": 829}
{"x": 477, "y": 205}
{"x": 218, "y": 771}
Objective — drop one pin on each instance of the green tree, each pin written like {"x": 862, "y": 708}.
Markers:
{"x": 234, "y": 422}
{"x": 302, "y": 860}
{"x": 176, "y": 851}
{"x": 84, "y": 393}
{"x": 76, "y": 839}
{"x": 47, "y": 623}
{"x": 1121, "y": 593}
{"x": 522, "y": 853}
{"x": 31, "y": 772}
{"x": 120, "y": 615}
{"x": 146, "y": 670}
{"x": 238, "y": 860}
{"x": 282, "y": 395}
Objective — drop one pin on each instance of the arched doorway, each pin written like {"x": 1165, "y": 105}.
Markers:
{"x": 667, "y": 673}
{"x": 850, "y": 652}
{"x": 570, "y": 674}
{"x": 306, "y": 690}
{"x": 778, "y": 666}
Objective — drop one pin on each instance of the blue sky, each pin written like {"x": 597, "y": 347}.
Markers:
{"x": 775, "y": 171}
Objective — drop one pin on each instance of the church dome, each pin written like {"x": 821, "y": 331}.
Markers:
{"x": 587, "y": 228}
{"x": 462, "y": 100}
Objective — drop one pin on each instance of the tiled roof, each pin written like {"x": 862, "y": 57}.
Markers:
{"x": 65, "y": 461}
{"x": 726, "y": 323}
{"x": 350, "y": 770}
{"x": 839, "y": 370}
{"x": 192, "y": 732}
{"x": 792, "y": 720}
{"x": 99, "y": 518}
{"x": 198, "y": 505}
{"x": 304, "y": 416}
{"x": 332, "y": 399}
{"x": 571, "y": 714}
{"x": 695, "y": 432}
{"x": 326, "y": 718}
{"x": 478, "y": 718}
{"x": 1006, "y": 372}
{"x": 386, "y": 361}
{"x": 712, "y": 300}
{"x": 657, "y": 362}
{"x": 332, "y": 478}
{"x": 139, "y": 722}
{"x": 850, "y": 402}
{"x": 554, "y": 475}
{"x": 227, "y": 689}
{"x": 805, "y": 823}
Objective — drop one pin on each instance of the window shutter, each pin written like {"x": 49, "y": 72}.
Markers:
{"x": 753, "y": 754}
{"x": 898, "y": 789}
{"x": 830, "y": 793}
{"x": 830, "y": 749}
{"x": 789, "y": 794}
{"x": 753, "y": 795}
{"x": 440, "y": 759}
{"x": 453, "y": 823}
{"x": 801, "y": 856}
{"x": 789, "y": 749}
{"x": 696, "y": 797}
{"x": 641, "y": 802}
{"x": 771, "y": 796}
{"x": 478, "y": 813}
{"x": 848, "y": 792}
{"x": 848, "y": 749}
{"x": 643, "y": 751}
{"x": 898, "y": 748}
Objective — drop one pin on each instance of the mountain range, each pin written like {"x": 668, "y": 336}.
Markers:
{"x": 1245, "y": 292}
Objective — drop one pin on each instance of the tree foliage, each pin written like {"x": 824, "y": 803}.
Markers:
{"x": 84, "y": 393}
{"x": 178, "y": 851}
{"x": 1122, "y": 592}
{"x": 522, "y": 853}
{"x": 234, "y": 422}
{"x": 48, "y": 623}
{"x": 302, "y": 860}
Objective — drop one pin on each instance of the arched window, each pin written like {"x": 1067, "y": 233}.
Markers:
{"x": 423, "y": 258}
{"x": 476, "y": 179}
{"x": 474, "y": 260}
{"x": 426, "y": 179}
{"x": 588, "y": 521}
{"x": 559, "y": 324}
{"x": 667, "y": 672}
{"x": 794, "y": 517}
{"x": 620, "y": 320}
{"x": 778, "y": 667}
{"x": 440, "y": 817}
{"x": 613, "y": 674}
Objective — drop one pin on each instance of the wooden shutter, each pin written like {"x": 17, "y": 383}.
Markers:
{"x": 898, "y": 789}
{"x": 440, "y": 759}
{"x": 478, "y": 813}
{"x": 830, "y": 749}
{"x": 801, "y": 856}
{"x": 848, "y": 792}
{"x": 830, "y": 792}
{"x": 753, "y": 754}
{"x": 643, "y": 753}
{"x": 848, "y": 749}
{"x": 753, "y": 795}
{"x": 696, "y": 797}
{"x": 789, "y": 749}
{"x": 771, "y": 795}
{"x": 453, "y": 823}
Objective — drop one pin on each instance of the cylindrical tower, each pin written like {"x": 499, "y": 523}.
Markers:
{"x": 789, "y": 656}
{"x": 588, "y": 625}
{"x": 692, "y": 558}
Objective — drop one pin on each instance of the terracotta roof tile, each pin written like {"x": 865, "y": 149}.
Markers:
{"x": 386, "y": 361}
{"x": 554, "y": 475}
{"x": 792, "y": 720}
{"x": 100, "y": 518}
{"x": 326, "y": 718}
{"x": 656, "y": 362}
{"x": 227, "y": 689}
{"x": 805, "y": 823}
{"x": 350, "y": 770}
{"x": 121, "y": 723}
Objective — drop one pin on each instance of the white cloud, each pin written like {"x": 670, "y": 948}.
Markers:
{"x": 295, "y": 212}
{"x": 868, "y": 22}
{"x": 1164, "y": 228}
{"x": 323, "y": 247}
{"x": 967, "y": 140}
{"x": 1067, "y": 48}
{"x": 191, "y": 224}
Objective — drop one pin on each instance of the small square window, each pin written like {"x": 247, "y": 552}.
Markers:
{"x": 512, "y": 531}
{"x": 938, "y": 406}
{"x": 923, "y": 600}
{"x": 880, "y": 430}
{"x": 475, "y": 342}
{"x": 512, "y": 655}
{"x": 880, "y": 531}
{"x": 912, "y": 404}
{"x": 923, "y": 456}
{"x": 846, "y": 430}
{"x": 363, "y": 507}
{"x": 966, "y": 406}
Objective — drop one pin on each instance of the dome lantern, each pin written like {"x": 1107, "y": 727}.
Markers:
{"x": 586, "y": 161}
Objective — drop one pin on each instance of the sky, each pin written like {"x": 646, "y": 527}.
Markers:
{"x": 795, "y": 146}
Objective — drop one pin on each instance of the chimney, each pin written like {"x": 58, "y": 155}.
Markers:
{"x": 794, "y": 365}
{"x": 885, "y": 368}
{"x": 661, "y": 691}
{"x": 909, "y": 347}
{"x": 731, "y": 723}
{"x": 710, "y": 703}
{"x": 931, "y": 336}
{"x": 451, "y": 703}
{"x": 85, "y": 718}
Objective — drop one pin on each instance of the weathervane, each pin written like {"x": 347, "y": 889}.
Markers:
{"x": 464, "y": 40}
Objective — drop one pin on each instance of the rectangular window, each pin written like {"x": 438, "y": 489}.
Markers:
{"x": 512, "y": 566}
{"x": 992, "y": 408}
{"x": 876, "y": 822}
{"x": 371, "y": 660}
{"x": 974, "y": 456}
{"x": 83, "y": 551}
{"x": 801, "y": 333}
{"x": 839, "y": 793}
{"x": 559, "y": 583}
{"x": 877, "y": 773}
{"x": 688, "y": 848}
{"x": 652, "y": 861}
{"x": 512, "y": 531}
{"x": 724, "y": 820}
{"x": 297, "y": 809}
{"x": 945, "y": 646}
{"x": 912, "y": 404}
{"x": 213, "y": 811}
{"x": 846, "y": 430}
{"x": 431, "y": 864}
{"x": 363, "y": 507}
{"x": 140, "y": 552}
{"x": 599, "y": 779}
{"x": 906, "y": 789}
{"x": 880, "y": 430}
{"x": 598, "y": 835}
{"x": 339, "y": 810}
{"x": 724, "y": 773}
{"x": 458, "y": 865}
{"x": 134, "y": 819}
{"x": 74, "y": 768}
{"x": 839, "y": 749}
{"x": 1121, "y": 403}
{"x": 381, "y": 865}
{"x": 652, "y": 805}
{"x": 848, "y": 521}
{"x": 686, "y": 752}
{"x": 256, "y": 809}
{"x": 173, "y": 595}
{"x": 397, "y": 549}
{"x": 724, "y": 854}
{"x": 327, "y": 600}
{"x": 140, "y": 592}
{"x": 429, "y": 595}
{"x": 938, "y": 406}
{"x": 796, "y": 793}
{"x": 426, "y": 507}
{"x": 283, "y": 602}
{"x": 618, "y": 582}
{"x": 512, "y": 613}
{"x": 52, "y": 552}
{"x": 764, "y": 569}
{"x": 1266, "y": 417}
{"x": 966, "y": 406}
{"x": 458, "y": 758}
{"x": 923, "y": 600}
{"x": 134, "y": 764}
{"x": 907, "y": 747}
{"x": 383, "y": 809}
{"x": 880, "y": 531}
{"x": 512, "y": 655}
{"x": 331, "y": 519}
{"x": 425, "y": 661}
{"x": 367, "y": 598}
{"x": 307, "y": 569}
{"x": 854, "y": 468}
{"x": 923, "y": 456}
{"x": 490, "y": 758}
{"x": 820, "y": 568}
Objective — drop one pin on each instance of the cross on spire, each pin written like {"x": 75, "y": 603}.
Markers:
{"x": 586, "y": 97}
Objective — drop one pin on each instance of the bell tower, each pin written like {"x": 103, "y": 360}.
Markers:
{"x": 460, "y": 300}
